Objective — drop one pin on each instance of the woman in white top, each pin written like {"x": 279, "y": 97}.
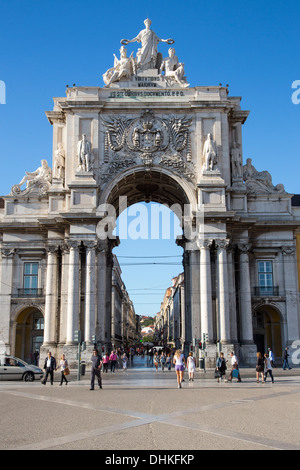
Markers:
{"x": 191, "y": 366}
{"x": 180, "y": 364}
{"x": 63, "y": 366}
{"x": 268, "y": 368}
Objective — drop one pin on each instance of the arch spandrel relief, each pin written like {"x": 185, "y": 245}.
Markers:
{"x": 147, "y": 140}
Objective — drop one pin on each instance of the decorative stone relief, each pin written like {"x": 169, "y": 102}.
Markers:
{"x": 38, "y": 181}
{"x": 149, "y": 140}
{"x": 259, "y": 181}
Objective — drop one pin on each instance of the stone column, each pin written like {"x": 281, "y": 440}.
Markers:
{"x": 51, "y": 301}
{"x": 104, "y": 292}
{"x": 205, "y": 289}
{"x": 187, "y": 335}
{"x": 90, "y": 293}
{"x": 194, "y": 295}
{"x": 64, "y": 294}
{"x": 223, "y": 294}
{"x": 291, "y": 293}
{"x": 245, "y": 296}
{"x": 73, "y": 291}
{"x": 232, "y": 294}
{"x": 6, "y": 292}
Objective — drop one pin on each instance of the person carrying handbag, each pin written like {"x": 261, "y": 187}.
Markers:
{"x": 64, "y": 369}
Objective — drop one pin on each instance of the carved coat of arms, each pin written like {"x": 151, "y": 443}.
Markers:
{"x": 152, "y": 140}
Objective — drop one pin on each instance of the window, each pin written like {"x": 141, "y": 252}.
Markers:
{"x": 38, "y": 321}
{"x": 31, "y": 277}
{"x": 265, "y": 277}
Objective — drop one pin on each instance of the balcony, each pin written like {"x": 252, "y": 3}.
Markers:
{"x": 30, "y": 293}
{"x": 266, "y": 291}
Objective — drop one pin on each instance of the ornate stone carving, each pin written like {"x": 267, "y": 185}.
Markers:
{"x": 244, "y": 247}
{"x": 150, "y": 139}
{"x": 205, "y": 244}
{"x": 7, "y": 252}
{"x": 222, "y": 244}
{"x": 288, "y": 250}
{"x": 259, "y": 181}
{"x": 38, "y": 181}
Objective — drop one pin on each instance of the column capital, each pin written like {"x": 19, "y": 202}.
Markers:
{"x": 244, "y": 247}
{"x": 90, "y": 245}
{"x": 52, "y": 249}
{"x": 7, "y": 252}
{"x": 288, "y": 250}
{"x": 72, "y": 244}
{"x": 222, "y": 244}
{"x": 205, "y": 244}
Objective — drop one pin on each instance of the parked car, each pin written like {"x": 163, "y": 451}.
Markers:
{"x": 13, "y": 368}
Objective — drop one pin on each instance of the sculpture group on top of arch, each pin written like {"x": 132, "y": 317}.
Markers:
{"x": 147, "y": 58}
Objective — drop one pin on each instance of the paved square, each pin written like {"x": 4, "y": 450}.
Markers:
{"x": 144, "y": 410}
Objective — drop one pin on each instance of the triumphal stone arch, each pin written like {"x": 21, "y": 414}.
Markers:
{"x": 145, "y": 134}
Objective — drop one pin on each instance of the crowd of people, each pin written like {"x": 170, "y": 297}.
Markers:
{"x": 163, "y": 359}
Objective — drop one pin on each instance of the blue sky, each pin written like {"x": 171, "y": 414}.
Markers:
{"x": 253, "y": 46}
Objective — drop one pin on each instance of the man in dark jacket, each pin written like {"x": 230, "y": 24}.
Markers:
{"x": 285, "y": 359}
{"x": 50, "y": 367}
{"x": 96, "y": 369}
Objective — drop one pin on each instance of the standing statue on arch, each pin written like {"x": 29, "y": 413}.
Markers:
{"x": 210, "y": 153}
{"x": 147, "y": 55}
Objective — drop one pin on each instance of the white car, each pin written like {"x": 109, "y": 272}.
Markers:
{"x": 12, "y": 368}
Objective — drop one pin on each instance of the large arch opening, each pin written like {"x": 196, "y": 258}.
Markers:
{"x": 29, "y": 334}
{"x": 152, "y": 209}
{"x": 267, "y": 331}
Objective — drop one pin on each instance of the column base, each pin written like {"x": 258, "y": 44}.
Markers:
{"x": 247, "y": 354}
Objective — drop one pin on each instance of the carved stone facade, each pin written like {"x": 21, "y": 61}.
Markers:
{"x": 149, "y": 136}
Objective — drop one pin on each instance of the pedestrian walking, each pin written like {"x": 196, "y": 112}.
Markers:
{"x": 221, "y": 367}
{"x": 268, "y": 368}
{"x": 235, "y": 368}
{"x": 96, "y": 369}
{"x": 285, "y": 359}
{"x": 156, "y": 361}
{"x": 191, "y": 365}
{"x": 105, "y": 362}
{"x": 151, "y": 358}
{"x": 124, "y": 361}
{"x": 272, "y": 358}
{"x": 180, "y": 364}
{"x": 168, "y": 361}
{"x": 49, "y": 367}
{"x": 162, "y": 361}
{"x": 64, "y": 370}
{"x": 260, "y": 366}
{"x": 113, "y": 360}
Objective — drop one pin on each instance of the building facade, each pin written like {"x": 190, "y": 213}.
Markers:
{"x": 148, "y": 136}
